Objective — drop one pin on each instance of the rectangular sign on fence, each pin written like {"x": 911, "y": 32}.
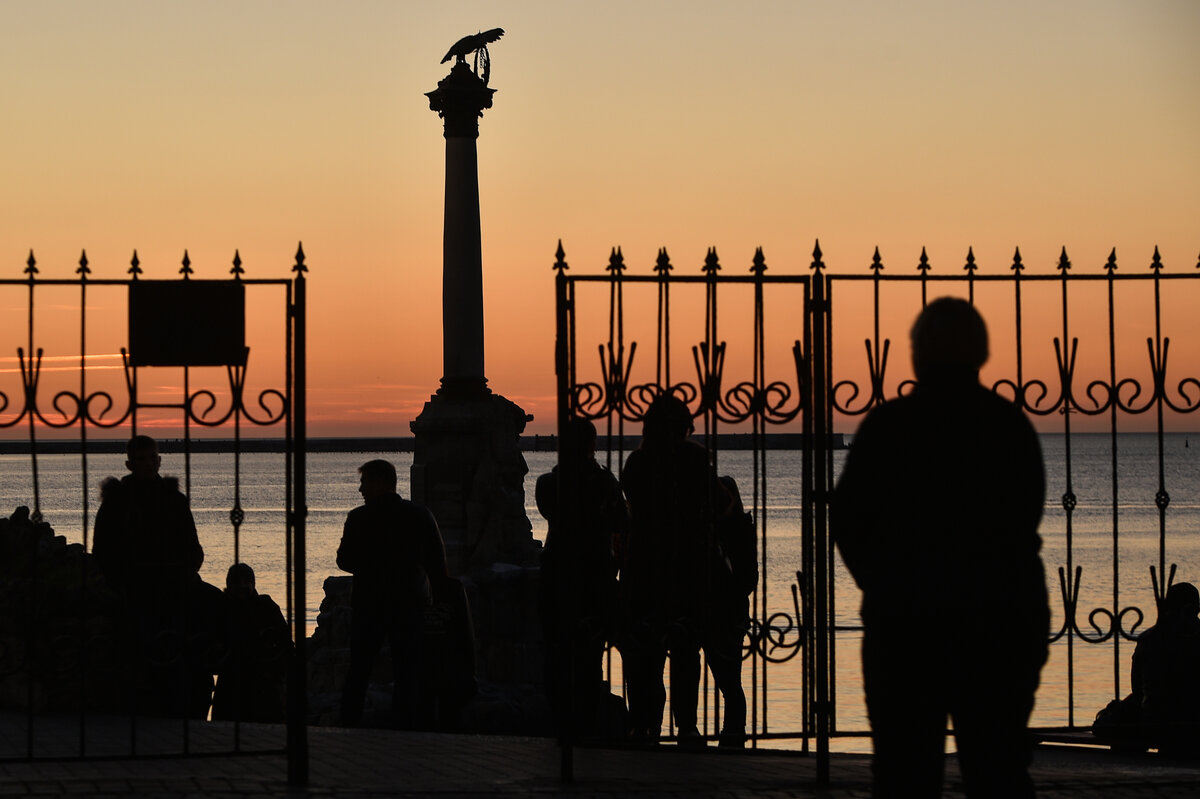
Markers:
{"x": 187, "y": 323}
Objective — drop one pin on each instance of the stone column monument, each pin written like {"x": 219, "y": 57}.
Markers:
{"x": 467, "y": 466}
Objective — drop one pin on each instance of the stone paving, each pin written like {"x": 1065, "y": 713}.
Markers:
{"x": 369, "y": 763}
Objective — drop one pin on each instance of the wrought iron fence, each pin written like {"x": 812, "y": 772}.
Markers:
{"x": 65, "y": 659}
{"x": 825, "y": 387}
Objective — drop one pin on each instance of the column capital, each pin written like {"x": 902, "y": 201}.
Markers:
{"x": 460, "y": 99}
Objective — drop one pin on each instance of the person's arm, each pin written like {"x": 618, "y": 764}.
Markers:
{"x": 195, "y": 552}
{"x": 852, "y": 510}
{"x": 348, "y": 559}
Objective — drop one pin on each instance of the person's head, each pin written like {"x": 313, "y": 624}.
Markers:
{"x": 579, "y": 440}
{"x": 949, "y": 337}
{"x": 142, "y": 457}
{"x": 733, "y": 500}
{"x": 239, "y": 580}
{"x": 667, "y": 419}
{"x": 378, "y": 478}
{"x": 1181, "y": 603}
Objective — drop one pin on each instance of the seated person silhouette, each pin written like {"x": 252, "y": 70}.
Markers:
{"x": 577, "y": 592}
{"x": 394, "y": 550}
{"x": 1163, "y": 708}
{"x": 146, "y": 547}
{"x": 251, "y": 680}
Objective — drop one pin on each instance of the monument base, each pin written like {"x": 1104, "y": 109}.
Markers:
{"x": 469, "y": 471}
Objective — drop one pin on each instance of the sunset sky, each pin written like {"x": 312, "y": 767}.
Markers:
{"x": 218, "y": 126}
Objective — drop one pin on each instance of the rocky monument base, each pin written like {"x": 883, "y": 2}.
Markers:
{"x": 469, "y": 471}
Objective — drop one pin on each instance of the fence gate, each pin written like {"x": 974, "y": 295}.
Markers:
{"x": 97, "y": 361}
{"x": 766, "y": 390}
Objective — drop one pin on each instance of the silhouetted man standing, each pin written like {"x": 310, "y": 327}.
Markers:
{"x": 147, "y": 549}
{"x": 936, "y": 515}
{"x": 589, "y": 520}
{"x": 673, "y": 493}
{"x": 393, "y": 548}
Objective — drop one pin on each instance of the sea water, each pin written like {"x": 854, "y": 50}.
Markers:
{"x": 1079, "y": 678}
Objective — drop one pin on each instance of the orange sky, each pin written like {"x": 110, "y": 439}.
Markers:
{"x": 222, "y": 125}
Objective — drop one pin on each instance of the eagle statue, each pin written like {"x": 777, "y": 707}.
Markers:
{"x": 475, "y": 43}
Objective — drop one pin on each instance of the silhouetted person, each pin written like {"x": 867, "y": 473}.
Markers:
{"x": 936, "y": 516}
{"x": 250, "y": 684}
{"x": 671, "y": 488}
{"x": 146, "y": 546}
{"x": 1166, "y": 670}
{"x": 393, "y": 548}
{"x": 1163, "y": 708}
{"x": 735, "y": 573}
{"x": 579, "y": 577}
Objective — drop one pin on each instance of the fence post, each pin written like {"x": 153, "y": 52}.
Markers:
{"x": 818, "y": 318}
{"x": 297, "y": 715}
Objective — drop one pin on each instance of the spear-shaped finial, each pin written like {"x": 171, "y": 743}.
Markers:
{"x": 876, "y": 262}
{"x": 923, "y": 265}
{"x": 237, "y": 266}
{"x": 187, "y": 266}
{"x": 560, "y": 264}
{"x": 759, "y": 264}
{"x": 31, "y": 265}
{"x": 1157, "y": 263}
{"x": 1110, "y": 265}
{"x": 1017, "y": 266}
{"x": 135, "y": 266}
{"x": 817, "y": 264}
{"x": 83, "y": 271}
{"x": 300, "y": 267}
{"x": 616, "y": 261}
{"x": 1064, "y": 263}
{"x": 662, "y": 264}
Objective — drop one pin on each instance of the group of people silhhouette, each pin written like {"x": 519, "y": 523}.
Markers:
{"x": 661, "y": 565}
{"x": 935, "y": 513}
{"x": 177, "y": 630}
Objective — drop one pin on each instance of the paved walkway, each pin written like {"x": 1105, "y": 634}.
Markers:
{"x": 362, "y": 763}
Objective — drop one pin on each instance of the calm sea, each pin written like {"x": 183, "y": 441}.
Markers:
{"x": 332, "y": 491}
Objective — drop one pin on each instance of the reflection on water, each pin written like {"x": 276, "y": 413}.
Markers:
{"x": 1138, "y": 545}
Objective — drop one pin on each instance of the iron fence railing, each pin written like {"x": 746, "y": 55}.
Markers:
{"x": 825, "y": 387}
{"x": 207, "y": 316}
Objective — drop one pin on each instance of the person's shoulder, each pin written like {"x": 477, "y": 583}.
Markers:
{"x": 169, "y": 484}
{"x": 1002, "y": 408}
{"x": 267, "y": 605}
{"x": 691, "y": 451}
{"x": 111, "y": 488}
{"x": 889, "y": 414}
{"x": 356, "y": 514}
{"x": 415, "y": 510}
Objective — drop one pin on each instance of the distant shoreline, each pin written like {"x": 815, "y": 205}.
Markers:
{"x": 535, "y": 443}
